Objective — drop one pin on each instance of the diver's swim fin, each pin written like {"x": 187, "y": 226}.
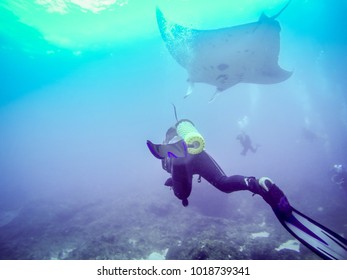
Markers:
{"x": 321, "y": 240}
{"x": 174, "y": 150}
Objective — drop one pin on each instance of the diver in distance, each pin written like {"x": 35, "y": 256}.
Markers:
{"x": 246, "y": 143}
{"x": 183, "y": 155}
{"x": 339, "y": 176}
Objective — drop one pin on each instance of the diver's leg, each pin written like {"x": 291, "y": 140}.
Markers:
{"x": 181, "y": 180}
{"x": 206, "y": 166}
{"x": 254, "y": 150}
{"x": 271, "y": 193}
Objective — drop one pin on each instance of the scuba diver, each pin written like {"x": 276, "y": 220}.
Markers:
{"x": 246, "y": 143}
{"x": 183, "y": 155}
{"x": 339, "y": 176}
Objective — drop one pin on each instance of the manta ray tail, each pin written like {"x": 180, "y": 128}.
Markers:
{"x": 280, "y": 12}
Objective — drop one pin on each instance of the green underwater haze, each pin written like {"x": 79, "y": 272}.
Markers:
{"x": 86, "y": 83}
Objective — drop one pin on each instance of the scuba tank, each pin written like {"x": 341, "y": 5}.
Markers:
{"x": 191, "y": 136}
{"x": 191, "y": 141}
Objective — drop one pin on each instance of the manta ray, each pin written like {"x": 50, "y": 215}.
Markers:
{"x": 224, "y": 57}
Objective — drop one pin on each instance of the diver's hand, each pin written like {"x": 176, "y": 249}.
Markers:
{"x": 169, "y": 182}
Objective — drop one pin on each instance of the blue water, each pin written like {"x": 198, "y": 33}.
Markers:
{"x": 75, "y": 169}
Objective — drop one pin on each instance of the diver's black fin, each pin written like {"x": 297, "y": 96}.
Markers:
{"x": 318, "y": 238}
{"x": 174, "y": 150}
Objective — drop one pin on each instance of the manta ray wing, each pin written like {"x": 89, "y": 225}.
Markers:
{"x": 224, "y": 57}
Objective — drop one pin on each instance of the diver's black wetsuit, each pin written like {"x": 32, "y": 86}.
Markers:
{"x": 182, "y": 171}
